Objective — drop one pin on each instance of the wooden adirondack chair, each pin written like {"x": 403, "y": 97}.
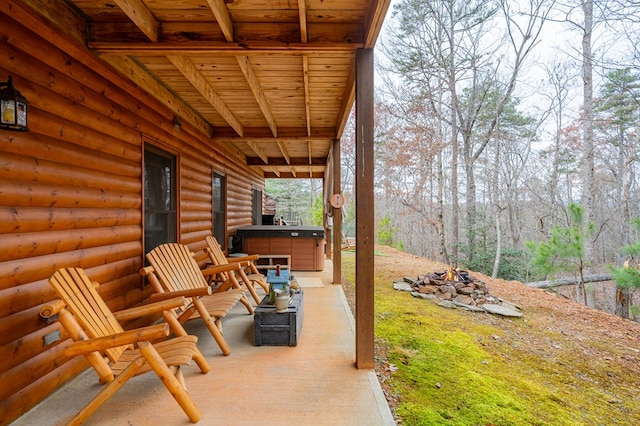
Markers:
{"x": 217, "y": 257}
{"x": 99, "y": 336}
{"x": 173, "y": 271}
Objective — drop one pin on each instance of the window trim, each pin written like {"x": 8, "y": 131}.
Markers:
{"x": 257, "y": 210}
{"x": 224, "y": 192}
{"x": 168, "y": 152}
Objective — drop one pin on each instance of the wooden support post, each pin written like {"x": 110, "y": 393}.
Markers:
{"x": 337, "y": 215}
{"x": 328, "y": 246}
{"x": 365, "y": 218}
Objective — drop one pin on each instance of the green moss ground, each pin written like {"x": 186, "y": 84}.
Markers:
{"x": 461, "y": 368}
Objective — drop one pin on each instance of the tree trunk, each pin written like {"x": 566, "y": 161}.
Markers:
{"x": 623, "y": 302}
{"x": 587, "y": 128}
{"x": 470, "y": 200}
{"x": 495, "y": 201}
{"x": 570, "y": 281}
{"x": 496, "y": 262}
{"x": 440, "y": 211}
{"x": 455, "y": 225}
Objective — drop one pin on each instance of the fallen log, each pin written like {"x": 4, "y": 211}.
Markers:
{"x": 570, "y": 281}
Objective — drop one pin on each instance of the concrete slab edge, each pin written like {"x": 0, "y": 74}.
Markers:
{"x": 383, "y": 406}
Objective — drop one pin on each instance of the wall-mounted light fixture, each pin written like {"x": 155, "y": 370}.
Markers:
{"x": 13, "y": 108}
{"x": 177, "y": 123}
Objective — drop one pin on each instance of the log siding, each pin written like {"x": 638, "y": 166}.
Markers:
{"x": 71, "y": 195}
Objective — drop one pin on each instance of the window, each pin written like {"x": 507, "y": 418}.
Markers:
{"x": 160, "y": 213}
{"x": 256, "y": 207}
{"x": 219, "y": 201}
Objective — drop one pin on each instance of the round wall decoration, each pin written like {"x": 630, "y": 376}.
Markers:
{"x": 337, "y": 200}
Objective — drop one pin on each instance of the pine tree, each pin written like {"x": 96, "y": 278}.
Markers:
{"x": 565, "y": 250}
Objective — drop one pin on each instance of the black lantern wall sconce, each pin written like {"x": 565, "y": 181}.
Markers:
{"x": 13, "y": 108}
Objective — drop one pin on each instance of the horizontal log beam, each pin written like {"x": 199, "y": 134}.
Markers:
{"x": 26, "y": 194}
{"x": 293, "y": 161}
{"x": 263, "y": 134}
{"x": 35, "y": 389}
{"x": 31, "y": 244}
{"x": 40, "y": 365}
{"x": 570, "y": 281}
{"x": 16, "y": 352}
{"x": 15, "y": 325}
{"x": 197, "y": 48}
{"x": 38, "y": 219}
{"x": 25, "y": 168}
{"x": 28, "y": 270}
{"x": 297, "y": 175}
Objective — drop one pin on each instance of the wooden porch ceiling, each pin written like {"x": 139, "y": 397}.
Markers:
{"x": 275, "y": 79}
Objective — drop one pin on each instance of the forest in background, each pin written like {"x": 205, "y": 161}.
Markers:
{"x": 493, "y": 117}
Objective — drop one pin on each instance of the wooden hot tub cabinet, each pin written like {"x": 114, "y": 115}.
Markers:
{"x": 305, "y": 244}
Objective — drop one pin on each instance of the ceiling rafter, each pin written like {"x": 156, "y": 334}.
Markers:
{"x": 285, "y": 153}
{"x": 131, "y": 69}
{"x": 302, "y": 12}
{"x": 220, "y": 11}
{"x": 223, "y": 17}
{"x": 307, "y": 108}
{"x": 140, "y": 14}
{"x": 373, "y": 22}
{"x": 259, "y": 152}
{"x": 347, "y": 103}
{"x": 254, "y": 84}
{"x": 189, "y": 70}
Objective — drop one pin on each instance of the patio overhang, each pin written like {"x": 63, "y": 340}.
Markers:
{"x": 273, "y": 80}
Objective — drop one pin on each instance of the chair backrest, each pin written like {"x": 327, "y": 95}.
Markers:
{"x": 176, "y": 268}
{"x": 77, "y": 291}
{"x": 216, "y": 250}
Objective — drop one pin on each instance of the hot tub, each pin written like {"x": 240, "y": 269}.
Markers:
{"x": 305, "y": 244}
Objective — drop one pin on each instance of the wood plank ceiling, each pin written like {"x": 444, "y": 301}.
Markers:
{"x": 273, "y": 78}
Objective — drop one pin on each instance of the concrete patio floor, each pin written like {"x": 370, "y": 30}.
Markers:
{"x": 315, "y": 382}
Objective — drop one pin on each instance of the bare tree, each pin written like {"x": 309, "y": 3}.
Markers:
{"x": 489, "y": 94}
{"x": 445, "y": 53}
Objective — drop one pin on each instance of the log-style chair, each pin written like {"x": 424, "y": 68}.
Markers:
{"x": 248, "y": 274}
{"x": 115, "y": 354}
{"x": 173, "y": 271}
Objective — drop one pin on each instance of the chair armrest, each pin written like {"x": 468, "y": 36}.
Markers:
{"x": 250, "y": 258}
{"x": 193, "y": 292}
{"x": 241, "y": 262}
{"x": 52, "y": 308}
{"x": 212, "y": 270}
{"x": 147, "y": 270}
{"x": 153, "y": 332}
{"x": 150, "y": 308}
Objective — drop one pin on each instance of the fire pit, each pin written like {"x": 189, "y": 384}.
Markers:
{"x": 455, "y": 288}
{"x": 452, "y": 284}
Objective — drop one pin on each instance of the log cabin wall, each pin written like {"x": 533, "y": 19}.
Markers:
{"x": 71, "y": 195}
